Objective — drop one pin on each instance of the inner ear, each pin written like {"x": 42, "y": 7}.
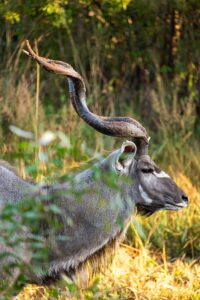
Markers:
{"x": 129, "y": 148}
{"x": 127, "y": 153}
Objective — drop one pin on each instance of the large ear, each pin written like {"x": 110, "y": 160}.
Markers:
{"x": 126, "y": 156}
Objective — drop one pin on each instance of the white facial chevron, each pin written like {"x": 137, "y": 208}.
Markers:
{"x": 144, "y": 195}
{"x": 162, "y": 174}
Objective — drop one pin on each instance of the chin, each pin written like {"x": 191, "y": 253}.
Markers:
{"x": 147, "y": 210}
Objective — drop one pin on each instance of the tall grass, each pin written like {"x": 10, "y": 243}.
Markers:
{"x": 174, "y": 119}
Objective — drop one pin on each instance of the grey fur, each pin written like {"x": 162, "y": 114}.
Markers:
{"x": 94, "y": 214}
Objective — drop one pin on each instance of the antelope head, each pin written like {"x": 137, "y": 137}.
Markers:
{"x": 152, "y": 188}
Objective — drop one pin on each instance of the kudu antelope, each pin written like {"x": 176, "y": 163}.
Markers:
{"x": 99, "y": 221}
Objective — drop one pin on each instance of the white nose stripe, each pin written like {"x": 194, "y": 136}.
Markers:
{"x": 144, "y": 195}
{"x": 162, "y": 174}
{"x": 182, "y": 204}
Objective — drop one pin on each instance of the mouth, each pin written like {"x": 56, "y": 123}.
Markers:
{"x": 175, "y": 206}
{"x": 148, "y": 210}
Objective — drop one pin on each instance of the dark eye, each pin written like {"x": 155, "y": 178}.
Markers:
{"x": 147, "y": 170}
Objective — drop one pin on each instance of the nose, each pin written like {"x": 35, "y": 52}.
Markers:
{"x": 184, "y": 198}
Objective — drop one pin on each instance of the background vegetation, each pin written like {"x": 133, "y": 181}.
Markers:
{"x": 138, "y": 58}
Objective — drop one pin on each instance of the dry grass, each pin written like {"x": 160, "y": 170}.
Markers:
{"x": 16, "y": 104}
{"x": 142, "y": 273}
{"x": 150, "y": 276}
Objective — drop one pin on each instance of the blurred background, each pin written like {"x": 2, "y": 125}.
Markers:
{"x": 138, "y": 58}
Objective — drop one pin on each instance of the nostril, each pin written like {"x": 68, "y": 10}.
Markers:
{"x": 184, "y": 198}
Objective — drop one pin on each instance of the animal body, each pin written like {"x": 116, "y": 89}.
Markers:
{"x": 95, "y": 214}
